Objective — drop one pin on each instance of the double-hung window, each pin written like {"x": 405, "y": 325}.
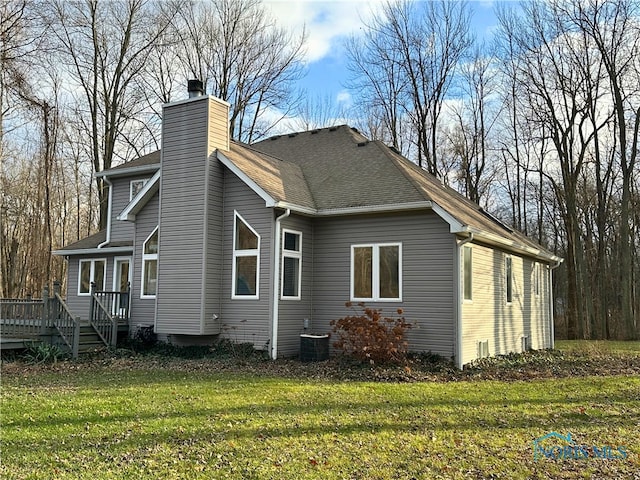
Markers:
{"x": 92, "y": 271}
{"x": 376, "y": 272}
{"x": 508, "y": 271}
{"x": 246, "y": 259}
{"x": 467, "y": 273}
{"x": 150, "y": 266}
{"x": 291, "y": 264}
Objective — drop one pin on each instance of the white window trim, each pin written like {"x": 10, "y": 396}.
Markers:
{"x": 467, "y": 300}
{"x": 536, "y": 279}
{"x": 145, "y": 258}
{"x": 291, "y": 254}
{"x": 254, "y": 252}
{"x": 91, "y": 274}
{"x": 144, "y": 182}
{"x": 507, "y": 279}
{"x": 375, "y": 280}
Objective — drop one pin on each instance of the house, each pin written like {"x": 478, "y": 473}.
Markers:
{"x": 255, "y": 242}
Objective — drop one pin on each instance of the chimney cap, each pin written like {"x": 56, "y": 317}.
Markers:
{"x": 195, "y": 88}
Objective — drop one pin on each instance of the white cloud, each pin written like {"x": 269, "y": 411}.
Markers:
{"x": 344, "y": 97}
{"x": 327, "y": 23}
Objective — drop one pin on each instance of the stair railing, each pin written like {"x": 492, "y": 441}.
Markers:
{"x": 61, "y": 318}
{"x": 105, "y": 311}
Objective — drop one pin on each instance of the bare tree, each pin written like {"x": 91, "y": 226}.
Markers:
{"x": 613, "y": 27}
{"x": 421, "y": 44}
{"x": 578, "y": 91}
{"x": 242, "y": 57}
{"x": 104, "y": 46}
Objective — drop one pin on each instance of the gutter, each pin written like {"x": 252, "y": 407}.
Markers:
{"x": 276, "y": 286}
{"x": 106, "y": 242}
{"x": 459, "y": 245}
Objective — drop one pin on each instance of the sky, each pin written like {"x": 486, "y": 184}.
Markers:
{"x": 328, "y": 23}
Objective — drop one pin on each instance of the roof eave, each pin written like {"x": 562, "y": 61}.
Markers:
{"x": 268, "y": 199}
{"x": 93, "y": 251}
{"x": 141, "y": 199}
{"x": 128, "y": 171}
{"x": 513, "y": 246}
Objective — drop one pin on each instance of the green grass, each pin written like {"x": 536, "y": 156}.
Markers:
{"x": 603, "y": 347}
{"x": 127, "y": 420}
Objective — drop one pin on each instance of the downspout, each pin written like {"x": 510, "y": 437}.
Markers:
{"x": 551, "y": 326}
{"x": 106, "y": 242}
{"x": 276, "y": 286}
{"x": 459, "y": 301}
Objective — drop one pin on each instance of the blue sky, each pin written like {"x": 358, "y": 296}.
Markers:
{"x": 329, "y": 22}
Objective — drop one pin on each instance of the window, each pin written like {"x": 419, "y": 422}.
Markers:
{"x": 509, "y": 278}
{"x": 467, "y": 269}
{"x": 291, "y": 264}
{"x": 91, "y": 271}
{"x": 135, "y": 186}
{"x": 150, "y": 266}
{"x": 376, "y": 272}
{"x": 246, "y": 255}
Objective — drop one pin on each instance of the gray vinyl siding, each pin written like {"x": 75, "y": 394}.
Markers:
{"x": 488, "y": 316}
{"x": 121, "y": 231}
{"x": 293, "y": 312}
{"x": 247, "y": 320}
{"x": 142, "y": 309}
{"x": 427, "y": 273}
{"x": 213, "y": 286}
{"x": 181, "y": 259}
{"x": 79, "y": 304}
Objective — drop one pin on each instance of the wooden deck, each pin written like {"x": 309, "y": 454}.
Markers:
{"x": 24, "y": 321}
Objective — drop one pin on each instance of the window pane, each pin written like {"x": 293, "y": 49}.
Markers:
{"x": 362, "y": 271}
{"x": 136, "y": 186}
{"x": 150, "y": 280}
{"x": 85, "y": 277}
{"x": 467, "y": 273}
{"x": 509, "y": 280}
{"x": 291, "y": 241}
{"x": 151, "y": 245}
{"x": 245, "y": 238}
{"x": 290, "y": 277}
{"x": 98, "y": 275}
{"x": 389, "y": 272}
{"x": 246, "y": 275}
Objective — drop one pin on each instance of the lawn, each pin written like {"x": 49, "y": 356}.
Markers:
{"x": 158, "y": 418}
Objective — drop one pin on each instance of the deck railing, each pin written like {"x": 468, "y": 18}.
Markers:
{"x": 65, "y": 323}
{"x": 22, "y": 318}
{"x": 107, "y": 309}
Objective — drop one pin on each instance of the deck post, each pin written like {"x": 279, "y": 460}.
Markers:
{"x": 76, "y": 338}
{"x": 44, "y": 321}
{"x": 91, "y": 301}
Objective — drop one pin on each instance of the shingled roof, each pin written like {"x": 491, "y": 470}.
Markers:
{"x": 337, "y": 169}
{"x": 343, "y": 170}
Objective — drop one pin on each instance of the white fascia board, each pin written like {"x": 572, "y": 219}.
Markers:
{"x": 196, "y": 99}
{"x": 268, "y": 199}
{"x": 515, "y": 247}
{"x": 93, "y": 251}
{"x": 125, "y": 172}
{"x": 141, "y": 199}
{"x": 454, "y": 224}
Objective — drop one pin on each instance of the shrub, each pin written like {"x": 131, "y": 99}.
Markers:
{"x": 37, "y": 352}
{"x": 370, "y": 337}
